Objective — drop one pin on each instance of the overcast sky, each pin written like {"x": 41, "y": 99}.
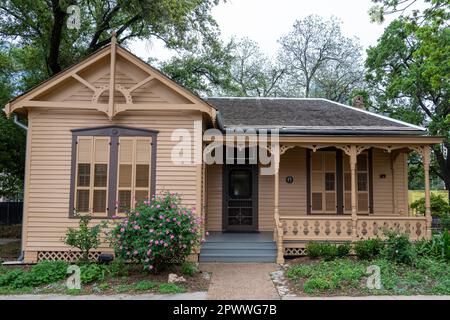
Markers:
{"x": 265, "y": 21}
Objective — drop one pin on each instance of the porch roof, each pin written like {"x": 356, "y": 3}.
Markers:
{"x": 305, "y": 116}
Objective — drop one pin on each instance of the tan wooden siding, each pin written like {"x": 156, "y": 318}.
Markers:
{"x": 47, "y": 216}
{"x": 293, "y": 196}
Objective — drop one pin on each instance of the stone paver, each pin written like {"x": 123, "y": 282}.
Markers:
{"x": 178, "y": 296}
{"x": 241, "y": 281}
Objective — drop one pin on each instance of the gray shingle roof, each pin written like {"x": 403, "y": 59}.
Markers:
{"x": 303, "y": 114}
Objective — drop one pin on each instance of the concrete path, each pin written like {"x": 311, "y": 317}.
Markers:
{"x": 241, "y": 281}
{"x": 148, "y": 296}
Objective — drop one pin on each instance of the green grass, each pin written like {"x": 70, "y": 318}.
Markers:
{"x": 345, "y": 276}
{"x": 170, "y": 288}
{"x": 145, "y": 285}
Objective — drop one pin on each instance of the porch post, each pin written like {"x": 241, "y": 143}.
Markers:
{"x": 277, "y": 231}
{"x": 426, "y": 168}
{"x": 353, "y": 157}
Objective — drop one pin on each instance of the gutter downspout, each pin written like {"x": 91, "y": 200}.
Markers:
{"x": 24, "y": 127}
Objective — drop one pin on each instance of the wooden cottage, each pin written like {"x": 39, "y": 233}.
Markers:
{"x": 102, "y": 134}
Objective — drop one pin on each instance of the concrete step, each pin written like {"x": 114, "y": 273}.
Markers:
{"x": 239, "y": 252}
{"x": 239, "y": 245}
{"x": 253, "y": 257}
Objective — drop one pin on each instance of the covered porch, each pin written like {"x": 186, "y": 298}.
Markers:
{"x": 361, "y": 218}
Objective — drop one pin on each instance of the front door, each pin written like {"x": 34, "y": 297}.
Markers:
{"x": 240, "y": 198}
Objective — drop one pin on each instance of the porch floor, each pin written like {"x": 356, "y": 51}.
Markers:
{"x": 238, "y": 247}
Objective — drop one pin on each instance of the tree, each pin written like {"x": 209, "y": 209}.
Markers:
{"x": 41, "y": 26}
{"x": 317, "y": 57}
{"x": 253, "y": 73}
{"x": 409, "y": 72}
{"x": 202, "y": 72}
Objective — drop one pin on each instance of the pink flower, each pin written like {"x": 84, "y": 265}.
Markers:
{"x": 178, "y": 223}
{"x": 151, "y": 230}
{"x": 172, "y": 236}
{"x": 149, "y": 252}
{"x": 167, "y": 220}
{"x": 135, "y": 252}
{"x": 151, "y": 267}
{"x": 137, "y": 214}
{"x": 174, "y": 219}
{"x": 156, "y": 242}
{"x": 158, "y": 206}
{"x": 161, "y": 217}
{"x": 122, "y": 229}
{"x": 165, "y": 244}
{"x": 207, "y": 233}
{"x": 136, "y": 227}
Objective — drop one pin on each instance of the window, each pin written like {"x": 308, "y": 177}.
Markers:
{"x": 362, "y": 183}
{"x": 113, "y": 167}
{"x": 323, "y": 182}
{"x": 134, "y": 171}
{"x": 91, "y": 173}
{"x": 329, "y": 183}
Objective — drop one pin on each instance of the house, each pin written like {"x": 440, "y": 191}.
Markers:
{"x": 104, "y": 133}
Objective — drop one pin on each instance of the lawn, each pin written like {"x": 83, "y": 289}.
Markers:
{"x": 50, "y": 278}
{"x": 348, "y": 277}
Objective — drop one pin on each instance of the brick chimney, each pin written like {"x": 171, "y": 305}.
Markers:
{"x": 358, "y": 102}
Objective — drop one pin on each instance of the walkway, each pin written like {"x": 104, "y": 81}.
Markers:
{"x": 241, "y": 281}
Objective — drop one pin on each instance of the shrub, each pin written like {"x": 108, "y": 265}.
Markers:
{"x": 343, "y": 249}
{"x": 314, "y": 250}
{"x": 45, "y": 272}
{"x": 438, "y": 247}
{"x": 320, "y": 284}
{"x": 84, "y": 238}
{"x": 189, "y": 268}
{"x": 91, "y": 272}
{"x": 368, "y": 249}
{"x": 438, "y": 204}
{"x": 157, "y": 234}
{"x": 118, "y": 268}
{"x": 398, "y": 248}
{"x": 327, "y": 250}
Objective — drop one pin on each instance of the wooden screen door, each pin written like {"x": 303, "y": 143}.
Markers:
{"x": 240, "y": 198}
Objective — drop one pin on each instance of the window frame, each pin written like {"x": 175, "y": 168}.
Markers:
{"x": 339, "y": 183}
{"x": 113, "y": 132}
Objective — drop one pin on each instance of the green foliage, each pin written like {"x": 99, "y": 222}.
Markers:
{"x": 170, "y": 288}
{"x": 157, "y": 233}
{"x": 437, "y": 248}
{"x": 189, "y": 268}
{"x": 45, "y": 272}
{"x": 84, "y": 238}
{"x": 118, "y": 268}
{"x": 368, "y": 249}
{"x": 91, "y": 272}
{"x": 327, "y": 250}
{"x": 145, "y": 285}
{"x": 398, "y": 248}
{"x": 439, "y": 206}
{"x": 409, "y": 73}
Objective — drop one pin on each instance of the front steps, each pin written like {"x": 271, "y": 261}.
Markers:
{"x": 239, "y": 247}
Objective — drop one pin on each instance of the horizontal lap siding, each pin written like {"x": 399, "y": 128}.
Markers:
{"x": 49, "y": 178}
{"x": 214, "y": 198}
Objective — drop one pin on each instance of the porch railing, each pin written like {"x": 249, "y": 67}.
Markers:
{"x": 321, "y": 228}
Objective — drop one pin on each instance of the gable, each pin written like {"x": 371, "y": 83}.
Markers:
{"x": 88, "y": 85}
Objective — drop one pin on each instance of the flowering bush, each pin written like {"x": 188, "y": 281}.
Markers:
{"x": 157, "y": 232}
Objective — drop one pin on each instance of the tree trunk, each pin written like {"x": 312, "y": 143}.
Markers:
{"x": 55, "y": 38}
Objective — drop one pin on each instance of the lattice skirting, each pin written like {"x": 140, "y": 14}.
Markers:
{"x": 65, "y": 255}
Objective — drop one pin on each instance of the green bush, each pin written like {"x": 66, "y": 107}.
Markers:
{"x": 398, "y": 248}
{"x": 157, "y": 233}
{"x": 439, "y": 208}
{"x": 189, "y": 268}
{"x": 368, "y": 249}
{"x": 84, "y": 238}
{"x": 118, "y": 268}
{"x": 144, "y": 285}
{"x": 343, "y": 249}
{"x": 91, "y": 272}
{"x": 45, "y": 272}
{"x": 438, "y": 247}
{"x": 326, "y": 250}
{"x": 314, "y": 250}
